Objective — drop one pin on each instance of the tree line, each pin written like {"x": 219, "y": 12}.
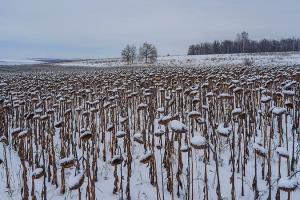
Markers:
{"x": 147, "y": 53}
{"x": 243, "y": 44}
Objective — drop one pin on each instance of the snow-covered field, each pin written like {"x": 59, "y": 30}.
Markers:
{"x": 256, "y": 59}
{"x": 211, "y": 132}
{"x": 19, "y": 62}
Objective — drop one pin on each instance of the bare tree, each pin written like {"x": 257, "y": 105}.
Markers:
{"x": 244, "y": 40}
{"x": 148, "y": 53}
{"x": 129, "y": 54}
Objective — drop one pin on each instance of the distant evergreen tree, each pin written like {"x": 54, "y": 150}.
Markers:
{"x": 242, "y": 44}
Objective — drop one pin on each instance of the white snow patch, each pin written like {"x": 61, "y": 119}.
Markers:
{"x": 178, "y": 126}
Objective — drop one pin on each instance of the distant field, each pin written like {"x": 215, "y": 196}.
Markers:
{"x": 262, "y": 59}
{"x": 254, "y": 59}
{"x": 19, "y": 62}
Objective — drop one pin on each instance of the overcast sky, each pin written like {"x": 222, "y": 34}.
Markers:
{"x": 101, "y": 28}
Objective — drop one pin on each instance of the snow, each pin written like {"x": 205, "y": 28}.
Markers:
{"x": 236, "y": 111}
{"x": 159, "y": 132}
{"x": 204, "y": 106}
{"x": 288, "y": 92}
{"x": 214, "y": 60}
{"x": 138, "y": 137}
{"x": 184, "y": 147}
{"x": 194, "y": 114}
{"x": 278, "y": 110}
{"x": 225, "y": 95}
{"x": 289, "y": 84}
{"x": 225, "y": 131}
{"x": 123, "y": 119}
{"x": 44, "y": 117}
{"x": 110, "y": 126}
{"x": 178, "y": 126}
{"x": 201, "y": 120}
{"x": 141, "y": 187}
{"x": 166, "y": 117}
{"x": 66, "y": 160}
{"x": 120, "y": 134}
{"x": 237, "y": 89}
{"x": 85, "y": 134}
{"x": 287, "y": 182}
{"x": 75, "y": 180}
{"x": 23, "y": 133}
{"x": 265, "y": 99}
{"x": 36, "y": 172}
{"x": 198, "y": 140}
{"x": 145, "y": 157}
{"x": 282, "y": 151}
{"x": 19, "y": 62}
{"x": 3, "y": 84}
{"x": 260, "y": 148}
{"x": 3, "y": 139}
{"x": 142, "y": 106}
{"x": 117, "y": 159}
{"x": 209, "y": 94}
{"x": 161, "y": 110}
{"x": 36, "y": 116}
{"x": 38, "y": 110}
{"x": 68, "y": 111}
{"x": 106, "y": 104}
{"x": 56, "y": 124}
{"x": 15, "y": 131}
